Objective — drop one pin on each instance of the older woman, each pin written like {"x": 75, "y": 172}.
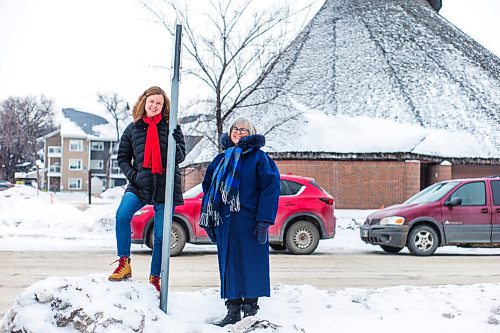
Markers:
{"x": 241, "y": 187}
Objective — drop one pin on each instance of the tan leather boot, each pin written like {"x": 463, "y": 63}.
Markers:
{"x": 123, "y": 271}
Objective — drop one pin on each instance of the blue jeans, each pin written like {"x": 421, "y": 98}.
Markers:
{"x": 128, "y": 206}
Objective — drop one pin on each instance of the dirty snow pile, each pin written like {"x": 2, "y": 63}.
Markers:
{"x": 92, "y": 304}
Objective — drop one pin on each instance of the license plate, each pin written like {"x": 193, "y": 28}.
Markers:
{"x": 364, "y": 233}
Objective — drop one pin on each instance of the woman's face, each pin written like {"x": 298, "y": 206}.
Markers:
{"x": 238, "y": 131}
{"x": 154, "y": 105}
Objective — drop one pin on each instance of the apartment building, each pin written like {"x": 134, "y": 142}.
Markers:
{"x": 82, "y": 151}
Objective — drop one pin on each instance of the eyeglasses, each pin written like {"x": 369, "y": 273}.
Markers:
{"x": 240, "y": 130}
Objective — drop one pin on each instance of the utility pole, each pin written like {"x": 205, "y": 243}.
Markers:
{"x": 89, "y": 183}
{"x": 37, "y": 163}
{"x": 170, "y": 173}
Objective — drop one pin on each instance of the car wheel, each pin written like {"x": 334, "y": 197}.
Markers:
{"x": 150, "y": 239}
{"x": 277, "y": 246}
{"x": 177, "y": 239}
{"x": 422, "y": 240}
{"x": 302, "y": 238}
{"x": 391, "y": 249}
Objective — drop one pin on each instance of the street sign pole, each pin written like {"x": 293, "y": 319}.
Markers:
{"x": 170, "y": 173}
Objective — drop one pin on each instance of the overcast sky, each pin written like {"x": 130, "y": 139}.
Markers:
{"x": 69, "y": 50}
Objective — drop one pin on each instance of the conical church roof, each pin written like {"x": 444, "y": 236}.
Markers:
{"x": 382, "y": 76}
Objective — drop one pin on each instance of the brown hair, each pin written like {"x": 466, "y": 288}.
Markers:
{"x": 139, "y": 108}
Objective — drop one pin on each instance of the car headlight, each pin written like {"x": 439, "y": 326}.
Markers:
{"x": 397, "y": 220}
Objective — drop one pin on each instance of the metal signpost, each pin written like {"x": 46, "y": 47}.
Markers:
{"x": 170, "y": 173}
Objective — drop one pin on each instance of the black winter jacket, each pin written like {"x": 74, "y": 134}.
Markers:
{"x": 149, "y": 187}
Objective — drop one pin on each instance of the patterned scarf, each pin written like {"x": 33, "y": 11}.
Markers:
{"x": 225, "y": 185}
{"x": 152, "y": 155}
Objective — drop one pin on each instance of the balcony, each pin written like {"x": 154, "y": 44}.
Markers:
{"x": 116, "y": 173}
{"x": 54, "y": 171}
{"x": 54, "y": 151}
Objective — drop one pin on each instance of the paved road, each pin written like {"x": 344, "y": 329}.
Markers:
{"x": 197, "y": 270}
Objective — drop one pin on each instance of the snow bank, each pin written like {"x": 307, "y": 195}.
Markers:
{"x": 28, "y": 213}
{"x": 93, "y": 304}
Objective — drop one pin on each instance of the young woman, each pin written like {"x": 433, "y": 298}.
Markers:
{"x": 241, "y": 193}
{"x": 142, "y": 157}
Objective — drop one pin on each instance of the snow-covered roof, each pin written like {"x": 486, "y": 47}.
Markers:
{"x": 381, "y": 76}
{"x": 79, "y": 124}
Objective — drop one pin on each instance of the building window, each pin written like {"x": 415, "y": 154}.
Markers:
{"x": 75, "y": 145}
{"x": 54, "y": 149}
{"x": 55, "y": 168}
{"x": 75, "y": 164}
{"x": 97, "y": 145}
{"x": 115, "y": 168}
{"x": 97, "y": 164}
{"x": 75, "y": 183}
{"x": 114, "y": 146}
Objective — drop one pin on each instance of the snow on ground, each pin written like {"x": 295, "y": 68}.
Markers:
{"x": 49, "y": 221}
{"x": 76, "y": 304}
{"x": 52, "y": 222}
{"x": 63, "y": 221}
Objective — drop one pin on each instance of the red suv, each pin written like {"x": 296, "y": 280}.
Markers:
{"x": 461, "y": 212}
{"x": 305, "y": 215}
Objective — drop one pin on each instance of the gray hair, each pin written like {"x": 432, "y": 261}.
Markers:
{"x": 244, "y": 121}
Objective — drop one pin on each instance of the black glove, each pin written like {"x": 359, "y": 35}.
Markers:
{"x": 261, "y": 232}
{"x": 211, "y": 234}
{"x": 177, "y": 134}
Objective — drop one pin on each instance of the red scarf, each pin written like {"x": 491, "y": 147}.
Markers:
{"x": 152, "y": 155}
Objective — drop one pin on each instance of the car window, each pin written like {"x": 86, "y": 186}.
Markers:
{"x": 294, "y": 187}
{"x": 193, "y": 192}
{"x": 313, "y": 183}
{"x": 283, "y": 188}
{"x": 288, "y": 187}
{"x": 495, "y": 189}
{"x": 472, "y": 194}
{"x": 432, "y": 193}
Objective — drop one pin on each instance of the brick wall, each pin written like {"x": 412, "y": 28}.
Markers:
{"x": 360, "y": 184}
{"x": 192, "y": 176}
{"x": 364, "y": 184}
{"x": 466, "y": 171}
{"x": 411, "y": 183}
{"x": 438, "y": 172}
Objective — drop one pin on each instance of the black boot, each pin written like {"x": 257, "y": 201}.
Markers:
{"x": 233, "y": 313}
{"x": 249, "y": 307}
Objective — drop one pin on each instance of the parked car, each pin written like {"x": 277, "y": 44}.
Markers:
{"x": 461, "y": 212}
{"x": 305, "y": 215}
{"x": 4, "y": 185}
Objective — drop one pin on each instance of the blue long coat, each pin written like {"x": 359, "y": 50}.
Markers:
{"x": 243, "y": 262}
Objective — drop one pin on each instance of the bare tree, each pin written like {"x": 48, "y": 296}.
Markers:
{"x": 22, "y": 121}
{"x": 119, "y": 109}
{"x": 116, "y": 106}
{"x": 233, "y": 48}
